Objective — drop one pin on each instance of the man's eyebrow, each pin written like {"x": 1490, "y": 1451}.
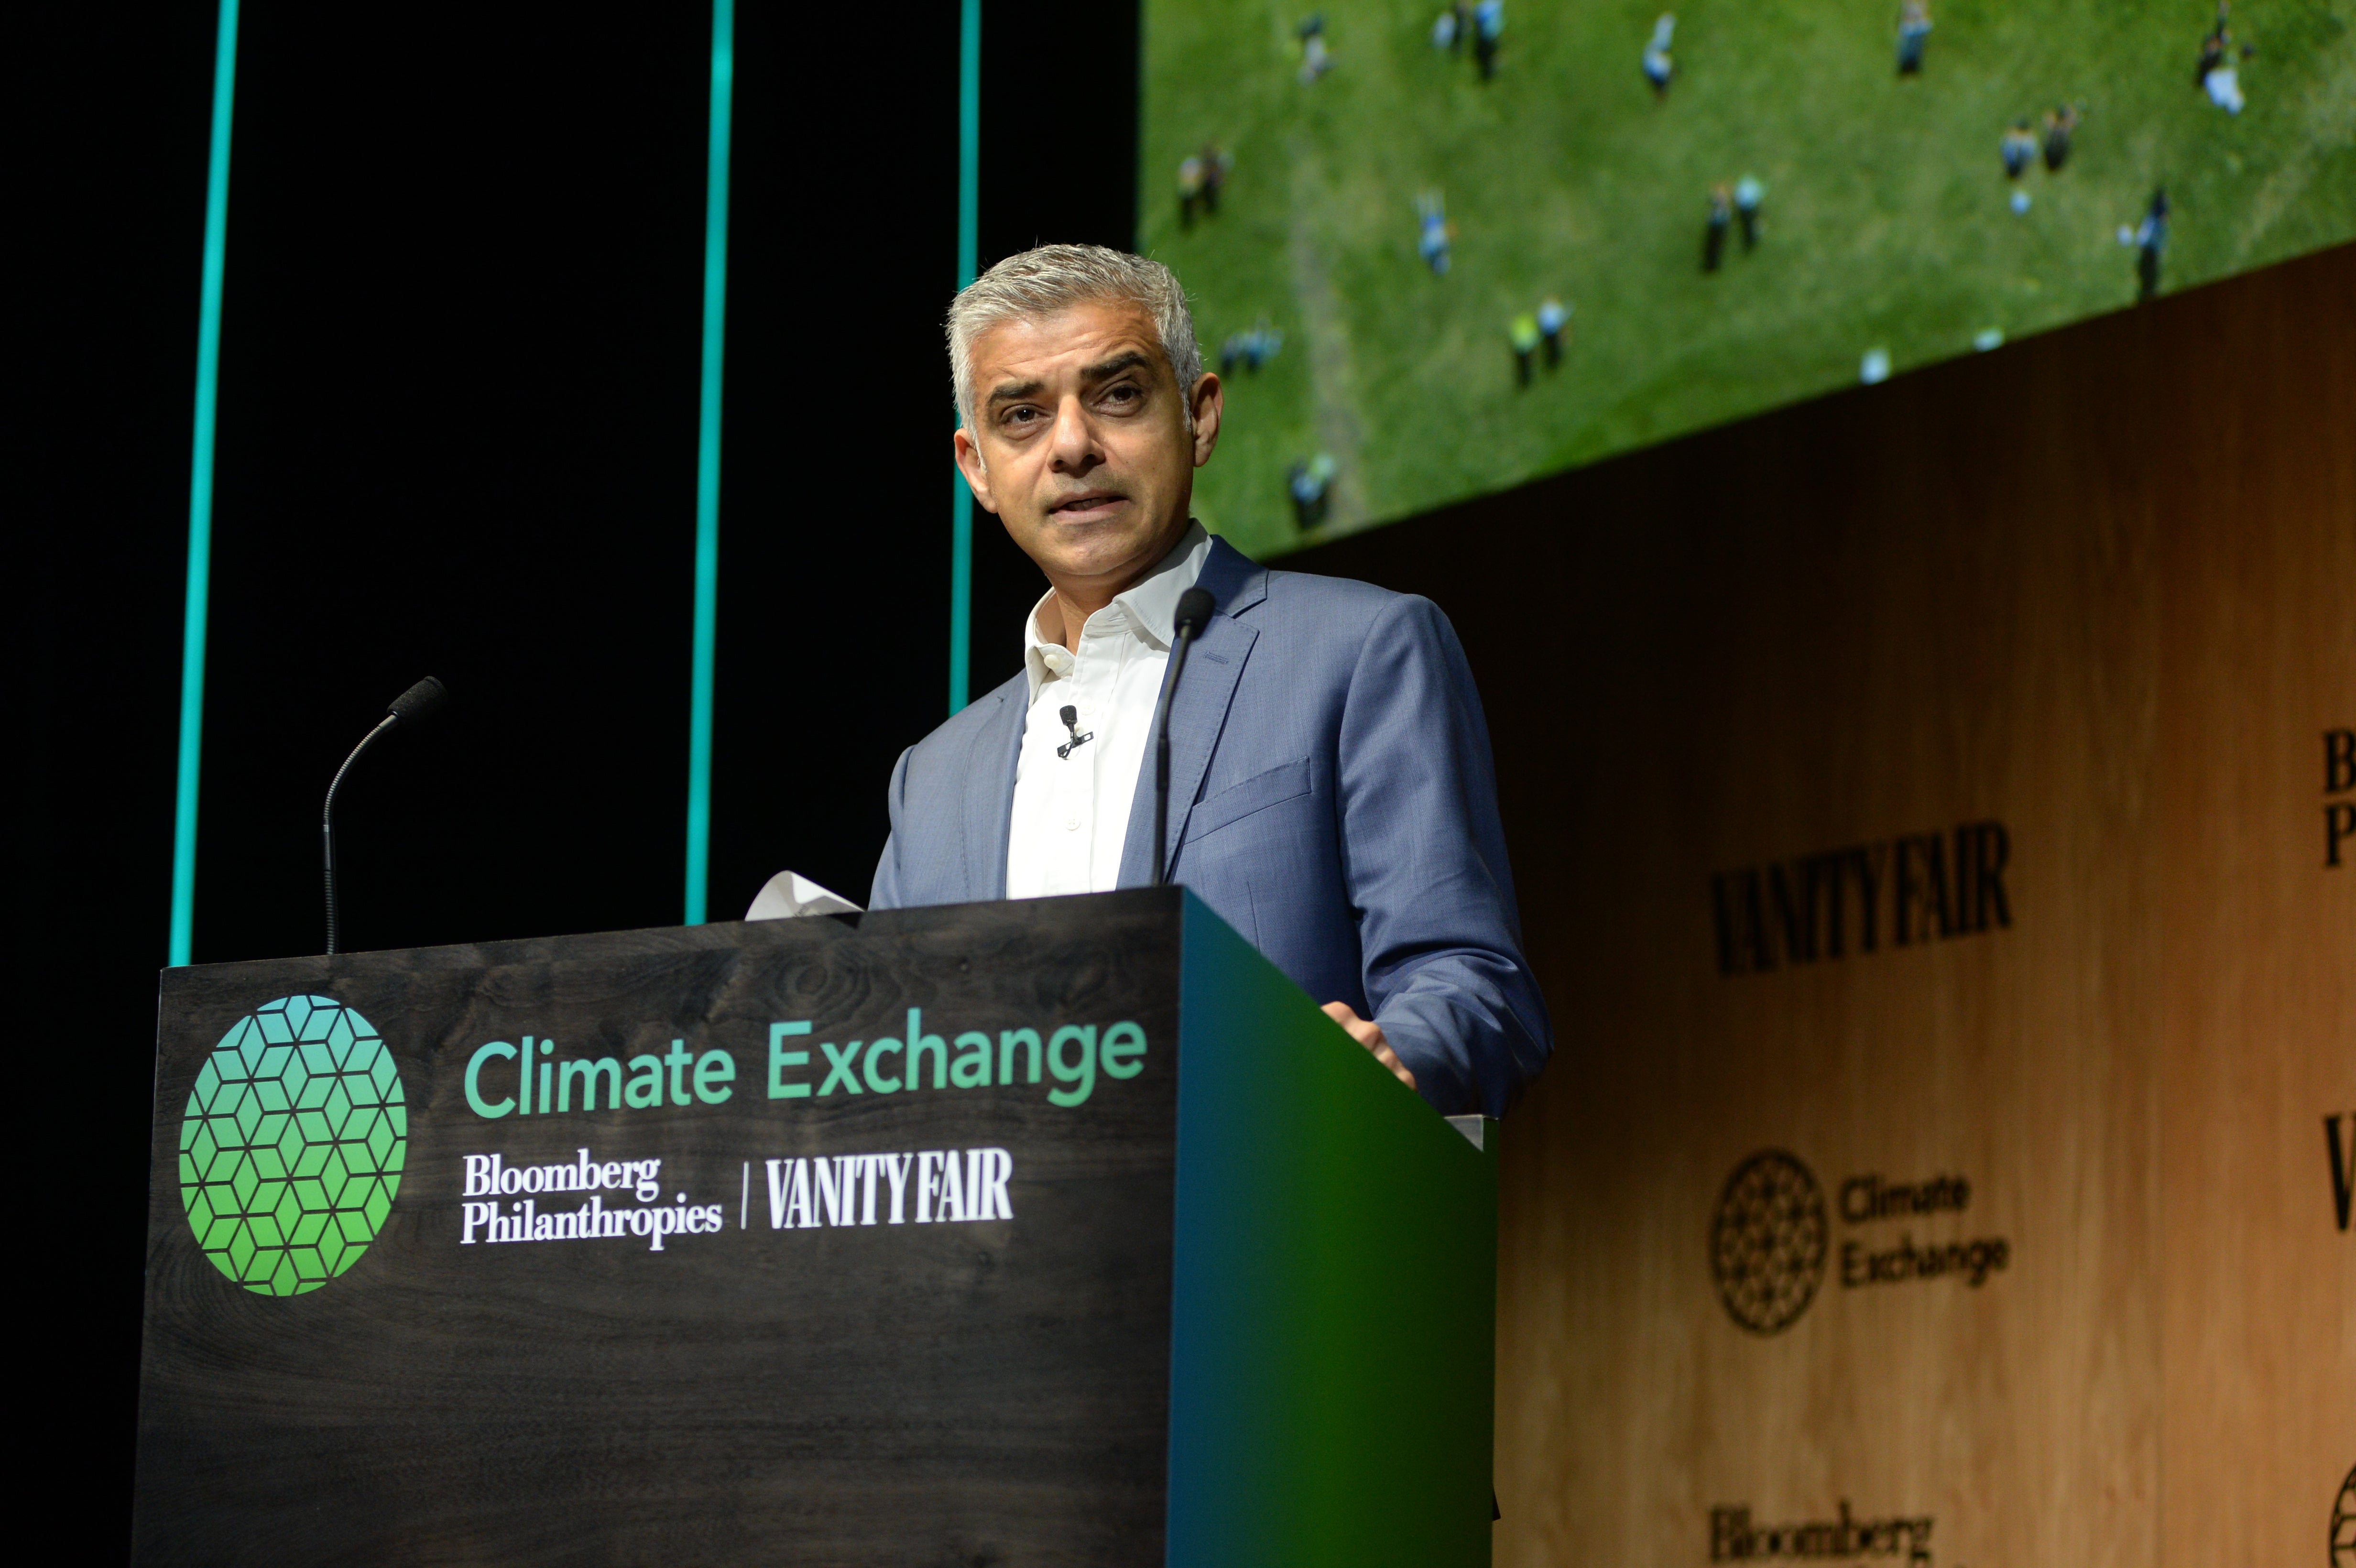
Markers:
{"x": 1113, "y": 367}
{"x": 1104, "y": 370}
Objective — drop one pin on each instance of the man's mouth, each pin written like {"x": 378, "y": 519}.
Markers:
{"x": 1087, "y": 504}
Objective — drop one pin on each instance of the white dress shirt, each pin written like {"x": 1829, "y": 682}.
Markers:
{"x": 1071, "y": 810}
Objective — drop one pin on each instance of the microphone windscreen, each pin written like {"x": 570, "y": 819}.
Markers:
{"x": 1195, "y": 608}
{"x": 420, "y": 702}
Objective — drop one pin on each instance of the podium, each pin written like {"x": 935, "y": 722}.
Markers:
{"x": 1059, "y": 1232}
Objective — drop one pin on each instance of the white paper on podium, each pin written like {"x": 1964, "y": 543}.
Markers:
{"x": 789, "y": 893}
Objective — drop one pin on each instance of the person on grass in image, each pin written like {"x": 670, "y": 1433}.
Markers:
{"x": 1658, "y": 64}
{"x": 1721, "y": 218}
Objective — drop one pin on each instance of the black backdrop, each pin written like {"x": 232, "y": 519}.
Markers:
{"x": 459, "y": 373}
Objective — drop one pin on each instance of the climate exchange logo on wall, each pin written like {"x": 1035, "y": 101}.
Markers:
{"x": 292, "y": 1146}
{"x": 1768, "y": 1242}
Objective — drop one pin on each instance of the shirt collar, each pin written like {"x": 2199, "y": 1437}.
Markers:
{"x": 1151, "y": 608}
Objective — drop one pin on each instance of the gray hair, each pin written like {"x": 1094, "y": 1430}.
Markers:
{"x": 1055, "y": 277}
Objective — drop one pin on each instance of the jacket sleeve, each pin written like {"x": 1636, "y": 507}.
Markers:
{"x": 884, "y": 893}
{"x": 1424, "y": 859}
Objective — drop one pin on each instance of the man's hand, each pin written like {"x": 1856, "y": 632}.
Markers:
{"x": 1368, "y": 1033}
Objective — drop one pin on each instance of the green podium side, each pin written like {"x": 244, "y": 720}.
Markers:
{"x": 1060, "y": 1231}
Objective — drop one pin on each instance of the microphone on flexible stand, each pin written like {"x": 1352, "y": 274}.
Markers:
{"x": 411, "y": 707}
{"x": 1194, "y": 609}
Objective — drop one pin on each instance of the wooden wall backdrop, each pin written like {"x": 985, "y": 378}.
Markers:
{"x": 2098, "y": 588}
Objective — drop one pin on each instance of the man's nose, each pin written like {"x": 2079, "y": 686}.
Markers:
{"x": 1074, "y": 441}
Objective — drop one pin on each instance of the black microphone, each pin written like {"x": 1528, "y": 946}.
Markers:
{"x": 414, "y": 706}
{"x": 1194, "y": 609}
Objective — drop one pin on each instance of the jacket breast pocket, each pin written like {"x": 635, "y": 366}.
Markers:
{"x": 1287, "y": 781}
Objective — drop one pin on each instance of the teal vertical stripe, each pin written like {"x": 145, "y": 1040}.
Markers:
{"x": 200, "y": 496}
{"x": 707, "y": 464}
{"x": 968, "y": 214}
{"x": 969, "y": 139}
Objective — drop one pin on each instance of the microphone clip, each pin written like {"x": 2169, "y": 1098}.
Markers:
{"x": 1071, "y": 718}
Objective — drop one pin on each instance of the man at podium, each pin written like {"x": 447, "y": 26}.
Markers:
{"x": 1332, "y": 795}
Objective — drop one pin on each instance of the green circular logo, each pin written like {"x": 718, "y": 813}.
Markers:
{"x": 290, "y": 1150}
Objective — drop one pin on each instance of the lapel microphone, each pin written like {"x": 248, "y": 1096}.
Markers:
{"x": 1071, "y": 718}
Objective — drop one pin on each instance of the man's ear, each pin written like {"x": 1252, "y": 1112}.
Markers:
{"x": 1209, "y": 401}
{"x": 976, "y": 472}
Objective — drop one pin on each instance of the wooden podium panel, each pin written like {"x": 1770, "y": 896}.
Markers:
{"x": 857, "y": 1352}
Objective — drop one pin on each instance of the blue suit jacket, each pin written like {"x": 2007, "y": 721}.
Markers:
{"x": 1330, "y": 795}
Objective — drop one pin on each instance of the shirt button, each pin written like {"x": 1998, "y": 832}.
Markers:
{"x": 1072, "y": 822}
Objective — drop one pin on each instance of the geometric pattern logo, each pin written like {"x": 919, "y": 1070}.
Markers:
{"x": 2344, "y": 1525}
{"x": 292, "y": 1147}
{"x": 1769, "y": 1241}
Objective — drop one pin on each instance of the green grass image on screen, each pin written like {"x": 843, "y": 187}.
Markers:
{"x": 1887, "y": 229}
{"x": 292, "y": 1147}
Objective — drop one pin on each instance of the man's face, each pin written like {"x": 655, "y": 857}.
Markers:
{"x": 1080, "y": 443}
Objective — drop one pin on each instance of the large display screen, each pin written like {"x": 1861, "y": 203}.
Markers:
{"x": 1439, "y": 250}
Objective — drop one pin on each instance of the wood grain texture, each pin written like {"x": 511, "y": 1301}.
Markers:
{"x": 2096, "y": 586}
{"x": 2258, "y": 1026}
{"x": 921, "y": 1395}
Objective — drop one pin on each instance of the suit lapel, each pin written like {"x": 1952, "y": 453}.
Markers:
{"x": 990, "y": 795}
{"x": 1198, "y": 717}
